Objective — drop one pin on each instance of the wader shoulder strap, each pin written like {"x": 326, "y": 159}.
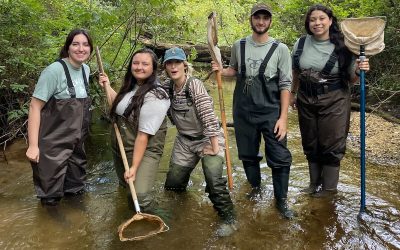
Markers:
{"x": 299, "y": 51}
{"x": 268, "y": 56}
{"x": 296, "y": 58}
{"x": 171, "y": 90}
{"x": 330, "y": 64}
{"x": 242, "y": 58}
{"x": 187, "y": 91}
{"x": 71, "y": 88}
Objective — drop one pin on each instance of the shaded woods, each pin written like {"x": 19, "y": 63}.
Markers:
{"x": 32, "y": 32}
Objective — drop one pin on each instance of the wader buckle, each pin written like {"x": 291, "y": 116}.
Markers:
{"x": 248, "y": 82}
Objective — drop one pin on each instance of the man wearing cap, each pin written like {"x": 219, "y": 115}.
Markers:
{"x": 199, "y": 138}
{"x": 260, "y": 104}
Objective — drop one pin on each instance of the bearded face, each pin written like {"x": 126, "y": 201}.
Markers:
{"x": 260, "y": 23}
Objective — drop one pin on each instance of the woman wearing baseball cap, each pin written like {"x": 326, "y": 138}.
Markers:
{"x": 199, "y": 137}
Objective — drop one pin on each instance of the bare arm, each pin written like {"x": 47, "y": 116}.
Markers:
{"x": 138, "y": 152}
{"x": 35, "y": 107}
{"x": 280, "y": 128}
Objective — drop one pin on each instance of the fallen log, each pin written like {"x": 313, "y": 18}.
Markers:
{"x": 203, "y": 54}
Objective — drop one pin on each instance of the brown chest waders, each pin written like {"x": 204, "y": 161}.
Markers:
{"x": 63, "y": 129}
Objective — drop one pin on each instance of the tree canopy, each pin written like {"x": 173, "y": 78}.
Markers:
{"x": 33, "y": 31}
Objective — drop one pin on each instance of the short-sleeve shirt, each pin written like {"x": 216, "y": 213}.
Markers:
{"x": 152, "y": 112}
{"x": 53, "y": 82}
{"x": 279, "y": 65}
{"x": 316, "y": 53}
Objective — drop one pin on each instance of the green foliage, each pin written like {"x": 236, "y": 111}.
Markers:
{"x": 193, "y": 55}
{"x": 15, "y": 87}
{"x": 33, "y": 31}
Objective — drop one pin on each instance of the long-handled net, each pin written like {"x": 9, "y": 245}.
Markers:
{"x": 363, "y": 36}
{"x": 141, "y": 225}
{"x": 153, "y": 224}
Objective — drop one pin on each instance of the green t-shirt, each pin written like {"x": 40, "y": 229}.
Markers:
{"x": 53, "y": 82}
{"x": 316, "y": 53}
{"x": 280, "y": 63}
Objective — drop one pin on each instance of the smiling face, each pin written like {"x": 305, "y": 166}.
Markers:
{"x": 142, "y": 67}
{"x": 175, "y": 70}
{"x": 319, "y": 24}
{"x": 260, "y": 22}
{"x": 79, "y": 50}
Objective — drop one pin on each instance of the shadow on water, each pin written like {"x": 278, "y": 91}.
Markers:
{"x": 90, "y": 221}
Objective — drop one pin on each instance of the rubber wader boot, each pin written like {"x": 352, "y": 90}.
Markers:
{"x": 280, "y": 181}
{"x": 177, "y": 178}
{"x": 253, "y": 174}
{"x": 226, "y": 229}
{"x": 315, "y": 178}
{"x": 330, "y": 176}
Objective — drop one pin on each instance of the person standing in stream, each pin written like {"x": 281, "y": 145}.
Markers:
{"x": 139, "y": 109}
{"x": 58, "y": 122}
{"x": 323, "y": 71}
{"x": 199, "y": 137}
{"x": 263, "y": 68}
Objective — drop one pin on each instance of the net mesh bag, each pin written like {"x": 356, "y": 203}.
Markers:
{"x": 367, "y": 31}
{"x": 141, "y": 226}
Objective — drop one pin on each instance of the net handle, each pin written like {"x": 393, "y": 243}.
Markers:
{"x": 118, "y": 135}
{"x": 126, "y": 166}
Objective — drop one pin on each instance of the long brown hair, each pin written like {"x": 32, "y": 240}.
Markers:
{"x": 70, "y": 39}
{"x": 129, "y": 83}
{"x": 336, "y": 37}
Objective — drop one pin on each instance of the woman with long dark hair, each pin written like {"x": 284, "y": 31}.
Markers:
{"x": 139, "y": 109}
{"x": 59, "y": 120}
{"x": 323, "y": 71}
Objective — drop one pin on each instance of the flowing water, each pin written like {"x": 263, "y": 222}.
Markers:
{"x": 91, "y": 221}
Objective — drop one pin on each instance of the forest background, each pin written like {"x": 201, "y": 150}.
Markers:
{"x": 33, "y": 31}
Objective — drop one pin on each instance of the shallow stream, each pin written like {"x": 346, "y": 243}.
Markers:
{"x": 91, "y": 221}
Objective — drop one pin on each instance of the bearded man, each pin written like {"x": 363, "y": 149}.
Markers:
{"x": 263, "y": 68}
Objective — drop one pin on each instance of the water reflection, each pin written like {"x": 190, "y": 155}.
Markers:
{"x": 91, "y": 221}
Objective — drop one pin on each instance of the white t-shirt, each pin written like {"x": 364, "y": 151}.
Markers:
{"x": 152, "y": 113}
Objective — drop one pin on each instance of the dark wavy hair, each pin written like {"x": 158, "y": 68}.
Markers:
{"x": 129, "y": 83}
{"x": 70, "y": 38}
{"x": 336, "y": 37}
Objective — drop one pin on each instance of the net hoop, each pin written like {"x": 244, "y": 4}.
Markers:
{"x": 142, "y": 216}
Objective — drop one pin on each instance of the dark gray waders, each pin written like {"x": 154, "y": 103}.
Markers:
{"x": 256, "y": 108}
{"x": 63, "y": 129}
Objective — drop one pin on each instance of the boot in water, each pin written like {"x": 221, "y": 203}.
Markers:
{"x": 283, "y": 208}
{"x": 226, "y": 228}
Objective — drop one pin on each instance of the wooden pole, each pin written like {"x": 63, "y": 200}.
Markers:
{"x": 118, "y": 135}
{"x": 223, "y": 119}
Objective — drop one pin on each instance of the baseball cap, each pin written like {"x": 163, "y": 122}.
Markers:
{"x": 260, "y": 6}
{"x": 174, "y": 53}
